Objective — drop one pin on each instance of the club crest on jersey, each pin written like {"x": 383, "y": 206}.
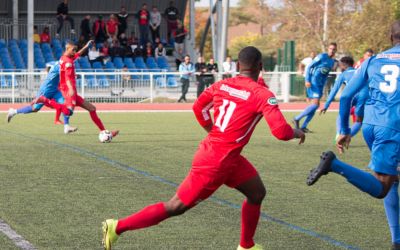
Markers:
{"x": 68, "y": 65}
{"x": 242, "y": 94}
{"x": 272, "y": 101}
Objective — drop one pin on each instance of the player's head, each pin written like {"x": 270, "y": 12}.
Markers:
{"x": 70, "y": 49}
{"x": 250, "y": 62}
{"x": 332, "y": 48}
{"x": 368, "y": 53}
{"x": 313, "y": 54}
{"x": 395, "y": 32}
{"x": 346, "y": 62}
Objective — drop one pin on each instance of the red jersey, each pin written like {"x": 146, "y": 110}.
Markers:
{"x": 239, "y": 104}
{"x": 44, "y": 38}
{"x": 112, "y": 26}
{"x": 67, "y": 72}
{"x": 262, "y": 82}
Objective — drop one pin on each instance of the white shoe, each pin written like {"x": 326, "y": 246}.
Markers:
{"x": 11, "y": 113}
{"x": 68, "y": 129}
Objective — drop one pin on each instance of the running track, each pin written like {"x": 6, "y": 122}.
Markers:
{"x": 297, "y": 106}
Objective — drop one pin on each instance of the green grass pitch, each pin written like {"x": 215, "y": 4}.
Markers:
{"x": 56, "y": 189}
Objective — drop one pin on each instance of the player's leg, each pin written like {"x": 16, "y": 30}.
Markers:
{"x": 311, "y": 109}
{"x": 384, "y": 161}
{"x": 59, "y": 99}
{"x": 391, "y": 204}
{"x": 245, "y": 179}
{"x": 24, "y": 110}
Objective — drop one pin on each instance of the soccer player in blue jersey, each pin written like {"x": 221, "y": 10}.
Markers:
{"x": 48, "y": 88}
{"x": 316, "y": 76}
{"x": 379, "y": 75}
{"x": 346, "y": 65}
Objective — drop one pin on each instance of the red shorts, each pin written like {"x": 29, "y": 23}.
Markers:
{"x": 72, "y": 101}
{"x": 211, "y": 169}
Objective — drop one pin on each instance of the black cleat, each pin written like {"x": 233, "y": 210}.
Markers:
{"x": 296, "y": 123}
{"x": 306, "y": 130}
{"x": 323, "y": 168}
{"x": 395, "y": 246}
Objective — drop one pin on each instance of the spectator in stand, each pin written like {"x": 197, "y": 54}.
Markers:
{"x": 105, "y": 50}
{"x": 94, "y": 55}
{"x": 123, "y": 40}
{"x": 112, "y": 27}
{"x": 160, "y": 51}
{"x": 36, "y": 36}
{"x": 179, "y": 57}
{"x": 45, "y": 36}
{"x": 122, "y": 20}
{"x": 201, "y": 70}
{"x": 116, "y": 50}
{"x": 99, "y": 30}
{"x": 229, "y": 68}
{"x": 126, "y": 78}
{"x": 143, "y": 17}
{"x": 62, "y": 15}
{"x": 133, "y": 40}
{"x": 85, "y": 28}
{"x": 148, "y": 52}
{"x": 212, "y": 69}
{"x": 82, "y": 43}
{"x": 187, "y": 69}
{"x": 137, "y": 51}
{"x": 179, "y": 36}
{"x": 155, "y": 22}
{"x": 171, "y": 14}
{"x": 157, "y": 42}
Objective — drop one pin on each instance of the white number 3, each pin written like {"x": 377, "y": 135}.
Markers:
{"x": 391, "y": 73}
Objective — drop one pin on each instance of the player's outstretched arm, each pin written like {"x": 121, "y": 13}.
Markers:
{"x": 90, "y": 42}
{"x": 332, "y": 94}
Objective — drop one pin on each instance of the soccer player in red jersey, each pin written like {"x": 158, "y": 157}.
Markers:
{"x": 239, "y": 103}
{"x": 68, "y": 89}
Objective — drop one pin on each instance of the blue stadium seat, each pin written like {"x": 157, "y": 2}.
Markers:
{"x": 97, "y": 65}
{"x": 118, "y": 63}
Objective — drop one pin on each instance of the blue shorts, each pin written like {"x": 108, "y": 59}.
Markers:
{"x": 314, "y": 92}
{"x": 384, "y": 144}
{"x": 50, "y": 95}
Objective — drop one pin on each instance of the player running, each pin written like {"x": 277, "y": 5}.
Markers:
{"x": 381, "y": 129}
{"x": 345, "y": 64}
{"x": 68, "y": 89}
{"x": 239, "y": 103}
{"x": 316, "y": 76}
{"x": 49, "y": 89}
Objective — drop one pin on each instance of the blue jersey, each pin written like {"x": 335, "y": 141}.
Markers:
{"x": 50, "y": 84}
{"x": 343, "y": 78}
{"x": 382, "y": 107}
{"x": 318, "y": 70}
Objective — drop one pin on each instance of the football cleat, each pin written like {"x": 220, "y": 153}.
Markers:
{"x": 110, "y": 235}
{"x": 11, "y": 113}
{"x": 255, "y": 247}
{"x": 306, "y": 130}
{"x": 69, "y": 129}
{"x": 323, "y": 168}
{"x": 296, "y": 123}
{"x": 114, "y": 133}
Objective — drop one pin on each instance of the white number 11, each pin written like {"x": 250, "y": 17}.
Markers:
{"x": 225, "y": 116}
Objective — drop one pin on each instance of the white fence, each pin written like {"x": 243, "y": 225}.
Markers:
{"x": 118, "y": 86}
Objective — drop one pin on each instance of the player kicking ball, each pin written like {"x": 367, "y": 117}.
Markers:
{"x": 68, "y": 89}
{"x": 379, "y": 77}
{"x": 239, "y": 104}
{"x": 49, "y": 89}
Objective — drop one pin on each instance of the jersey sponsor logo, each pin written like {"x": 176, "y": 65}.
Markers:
{"x": 388, "y": 56}
{"x": 272, "y": 101}
{"x": 68, "y": 65}
{"x": 242, "y": 94}
{"x": 325, "y": 70}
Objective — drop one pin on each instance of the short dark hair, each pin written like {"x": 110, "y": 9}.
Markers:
{"x": 348, "y": 60}
{"x": 369, "y": 51}
{"x": 333, "y": 43}
{"x": 249, "y": 57}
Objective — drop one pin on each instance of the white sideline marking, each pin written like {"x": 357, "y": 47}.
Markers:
{"x": 157, "y": 111}
{"x": 17, "y": 239}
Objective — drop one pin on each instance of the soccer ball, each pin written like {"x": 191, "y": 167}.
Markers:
{"x": 105, "y": 136}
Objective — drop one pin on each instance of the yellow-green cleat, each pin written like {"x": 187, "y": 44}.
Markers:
{"x": 109, "y": 233}
{"x": 255, "y": 247}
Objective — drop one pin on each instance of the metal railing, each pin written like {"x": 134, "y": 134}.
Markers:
{"x": 124, "y": 86}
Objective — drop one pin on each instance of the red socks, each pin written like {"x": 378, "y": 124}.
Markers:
{"x": 59, "y": 107}
{"x": 97, "y": 120}
{"x": 250, "y": 217}
{"x": 147, "y": 217}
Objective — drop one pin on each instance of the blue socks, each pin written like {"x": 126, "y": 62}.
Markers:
{"x": 391, "y": 203}
{"x": 25, "y": 110}
{"x": 309, "y": 112}
{"x": 66, "y": 120}
{"x": 364, "y": 181}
